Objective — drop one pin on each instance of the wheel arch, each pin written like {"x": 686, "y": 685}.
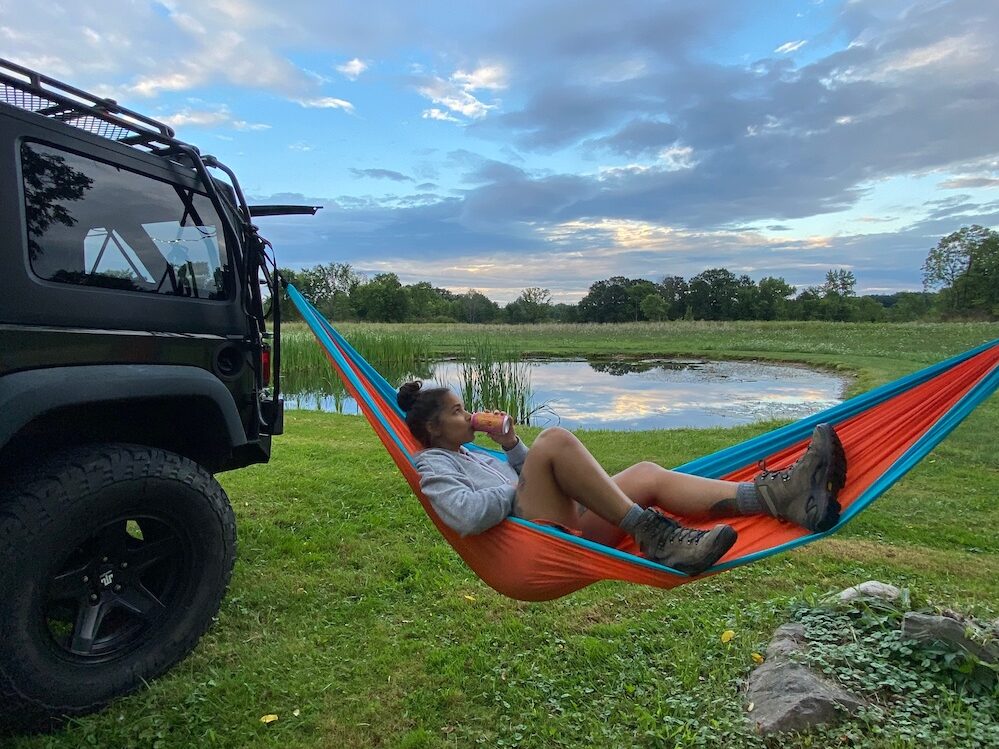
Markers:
{"x": 183, "y": 409}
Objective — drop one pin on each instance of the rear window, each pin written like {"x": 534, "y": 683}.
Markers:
{"x": 95, "y": 224}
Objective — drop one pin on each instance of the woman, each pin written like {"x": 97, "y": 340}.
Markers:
{"x": 558, "y": 482}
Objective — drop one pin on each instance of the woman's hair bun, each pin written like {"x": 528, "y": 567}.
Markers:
{"x": 408, "y": 394}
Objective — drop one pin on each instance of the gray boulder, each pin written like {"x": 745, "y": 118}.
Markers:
{"x": 966, "y": 635}
{"x": 870, "y": 589}
{"x": 787, "y": 696}
{"x": 787, "y": 639}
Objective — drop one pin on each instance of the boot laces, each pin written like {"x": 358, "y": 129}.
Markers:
{"x": 682, "y": 535}
{"x": 783, "y": 474}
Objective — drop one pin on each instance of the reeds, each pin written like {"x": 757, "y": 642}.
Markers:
{"x": 307, "y": 374}
{"x": 488, "y": 374}
{"x": 491, "y": 376}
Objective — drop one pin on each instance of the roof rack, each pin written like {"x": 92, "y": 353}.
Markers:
{"x": 34, "y": 92}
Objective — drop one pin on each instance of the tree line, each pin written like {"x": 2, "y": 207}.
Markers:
{"x": 960, "y": 281}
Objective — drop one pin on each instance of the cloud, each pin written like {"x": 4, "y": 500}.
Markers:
{"x": 488, "y": 77}
{"x": 326, "y": 102}
{"x": 698, "y": 143}
{"x": 789, "y": 47}
{"x": 381, "y": 174}
{"x": 453, "y": 97}
{"x": 438, "y": 114}
{"x": 964, "y": 183}
{"x": 219, "y": 117}
{"x": 352, "y": 68}
{"x": 146, "y": 50}
{"x": 568, "y": 257}
{"x": 638, "y": 137}
{"x": 456, "y": 95}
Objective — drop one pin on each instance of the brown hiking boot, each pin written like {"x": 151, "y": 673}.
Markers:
{"x": 805, "y": 492}
{"x": 685, "y": 549}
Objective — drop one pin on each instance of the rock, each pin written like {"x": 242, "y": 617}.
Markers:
{"x": 870, "y": 589}
{"x": 788, "y": 638}
{"x": 787, "y": 696}
{"x": 927, "y": 627}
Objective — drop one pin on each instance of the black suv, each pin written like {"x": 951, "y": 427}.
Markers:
{"x": 134, "y": 364}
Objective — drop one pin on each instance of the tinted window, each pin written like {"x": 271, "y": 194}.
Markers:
{"x": 96, "y": 224}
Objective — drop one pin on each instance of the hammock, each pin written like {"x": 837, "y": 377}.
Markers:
{"x": 885, "y": 433}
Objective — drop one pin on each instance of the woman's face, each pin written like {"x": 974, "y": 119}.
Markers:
{"x": 453, "y": 425}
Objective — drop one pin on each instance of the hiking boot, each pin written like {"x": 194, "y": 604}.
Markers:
{"x": 685, "y": 549}
{"x": 805, "y": 492}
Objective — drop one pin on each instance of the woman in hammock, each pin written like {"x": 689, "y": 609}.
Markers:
{"x": 557, "y": 482}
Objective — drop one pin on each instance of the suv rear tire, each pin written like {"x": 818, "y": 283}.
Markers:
{"x": 116, "y": 561}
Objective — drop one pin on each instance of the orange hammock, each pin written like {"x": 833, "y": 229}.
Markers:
{"x": 885, "y": 433}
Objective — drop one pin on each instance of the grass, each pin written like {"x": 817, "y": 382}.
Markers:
{"x": 355, "y": 623}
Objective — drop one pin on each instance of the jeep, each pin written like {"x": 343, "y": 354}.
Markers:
{"x": 135, "y": 363}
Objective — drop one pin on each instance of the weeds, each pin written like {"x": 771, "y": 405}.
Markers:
{"x": 930, "y": 693}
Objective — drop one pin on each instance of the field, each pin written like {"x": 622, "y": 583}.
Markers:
{"x": 354, "y": 623}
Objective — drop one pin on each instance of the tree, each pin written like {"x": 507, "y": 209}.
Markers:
{"x": 674, "y": 290}
{"x": 637, "y": 289}
{"x": 382, "y": 299}
{"x": 773, "y": 299}
{"x": 747, "y": 299}
{"x": 329, "y": 287}
{"x": 606, "y": 301}
{"x": 713, "y": 294}
{"x": 866, "y": 309}
{"x": 476, "y": 307}
{"x": 838, "y": 295}
{"x": 428, "y": 302}
{"x": 562, "y": 312}
{"x": 840, "y": 281}
{"x": 910, "y": 305}
{"x": 965, "y": 266}
{"x": 655, "y": 308}
{"x": 532, "y": 306}
{"x": 808, "y": 304}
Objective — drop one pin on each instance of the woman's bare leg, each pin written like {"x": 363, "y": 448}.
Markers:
{"x": 648, "y": 484}
{"x": 560, "y": 469}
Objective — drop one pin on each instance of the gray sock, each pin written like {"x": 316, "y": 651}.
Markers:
{"x": 747, "y": 499}
{"x": 630, "y": 519}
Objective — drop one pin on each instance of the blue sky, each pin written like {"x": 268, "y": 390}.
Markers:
{"x": 553, "y": 144}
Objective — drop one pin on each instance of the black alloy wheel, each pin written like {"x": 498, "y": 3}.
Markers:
{"x": 117, "y": 585}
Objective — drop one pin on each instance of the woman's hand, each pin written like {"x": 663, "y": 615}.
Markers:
{"x": 506, "y": 439}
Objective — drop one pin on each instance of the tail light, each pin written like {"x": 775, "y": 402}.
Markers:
{"x": 265, "y": 364}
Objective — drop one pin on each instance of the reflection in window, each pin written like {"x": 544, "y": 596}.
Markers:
{"x": 99, "y": 225}
{"x": 107, "y": 253}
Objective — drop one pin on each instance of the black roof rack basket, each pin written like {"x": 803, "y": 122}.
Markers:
{"x": 34, "y": 92}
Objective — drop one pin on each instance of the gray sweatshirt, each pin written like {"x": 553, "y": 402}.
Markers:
{"x": 470, "y": 491}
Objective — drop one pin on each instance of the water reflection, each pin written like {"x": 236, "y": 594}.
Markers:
{"x": 649, "y": 394}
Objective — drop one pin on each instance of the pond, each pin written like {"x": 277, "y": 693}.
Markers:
{"x": 645, "y": 394}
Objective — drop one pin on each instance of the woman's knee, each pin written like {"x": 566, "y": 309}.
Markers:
{"x": 555, "y": 437}
{"x": 639, "y": 480}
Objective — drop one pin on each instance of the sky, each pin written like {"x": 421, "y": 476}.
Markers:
{"x": 497, "y": 146}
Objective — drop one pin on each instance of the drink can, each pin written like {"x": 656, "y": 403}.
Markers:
{"x": 485, "y": 421}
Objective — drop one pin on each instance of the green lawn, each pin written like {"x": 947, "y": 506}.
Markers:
{"x": 353, "y": 621}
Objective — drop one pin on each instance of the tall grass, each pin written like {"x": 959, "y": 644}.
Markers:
{"x": 307, "y": 374}
{"x": 492, "y": 376}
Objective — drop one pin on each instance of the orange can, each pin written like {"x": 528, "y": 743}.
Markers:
{"x": 485, "y": 421}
